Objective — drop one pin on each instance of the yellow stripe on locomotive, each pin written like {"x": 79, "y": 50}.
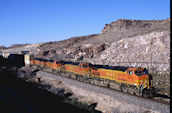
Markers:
{"x": 132, "y": 76}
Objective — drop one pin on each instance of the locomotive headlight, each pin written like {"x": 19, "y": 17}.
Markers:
{"x": 135, "y": 84}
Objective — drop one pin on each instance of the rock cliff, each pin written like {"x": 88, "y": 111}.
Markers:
{"x": 151, "y": 50}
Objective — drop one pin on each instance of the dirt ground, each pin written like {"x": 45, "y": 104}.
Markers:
{"x": 102, "y": 102}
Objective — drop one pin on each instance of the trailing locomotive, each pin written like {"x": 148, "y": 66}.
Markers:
{"x": 128, "y": 79}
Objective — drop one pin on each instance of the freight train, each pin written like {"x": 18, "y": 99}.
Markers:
{"x": 133, "y": 80}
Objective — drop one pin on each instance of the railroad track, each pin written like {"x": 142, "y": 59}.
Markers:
{"x": 145, "y": 98}
{"x": 71, "y": 76}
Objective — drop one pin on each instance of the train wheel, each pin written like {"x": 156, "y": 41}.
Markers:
{"x": 69, "y": 76}
{"x": 77, "y": 77}
{"x": 87, "y": 80}
{"x": 136, "y": 93}
{"x": 131, "y": 90}
{"x": 124, "y": 88}
{"x": 92, "y": 81}
{"x": 95, "y": 82}
{"x": 53, "y": 71}
{"x": 81, "y": 79}
{"x": 101, "y": 83}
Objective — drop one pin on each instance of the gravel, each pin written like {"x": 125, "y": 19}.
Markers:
{"x": 107, "y": 100}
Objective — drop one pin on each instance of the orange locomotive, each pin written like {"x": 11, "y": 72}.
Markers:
{"x": 77, "y": 68}
{"x": 128, "y": 79}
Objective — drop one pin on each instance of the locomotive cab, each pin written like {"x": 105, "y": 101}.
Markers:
{"x": 144, "y": 75}
{"x": 139, "y": 77}
{"x": 145, "y": 80}
{"x": 84, "y": 68}
{"x": 84, "y": 65}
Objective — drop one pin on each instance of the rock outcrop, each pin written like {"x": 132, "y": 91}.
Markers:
{"x": 136, "y": 26}
{"x": 151, "y": 50}
{"x": 123, "y": 42}
{"x": 31, "y": 48}
{"x": 18, "y": 45}
{"x": 2, "y": 47}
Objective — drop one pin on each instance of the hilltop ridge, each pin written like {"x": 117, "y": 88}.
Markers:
{"x": 93, "y": 47}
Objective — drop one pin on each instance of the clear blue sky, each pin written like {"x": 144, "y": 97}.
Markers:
{"x": 34, "y": 21}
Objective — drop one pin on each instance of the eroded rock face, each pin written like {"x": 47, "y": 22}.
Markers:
{"x": 2, "y": 47}
{"x": 32, "y": 48}
{"x": 136, "y": 25}
{"x": 86, "y": 51}
{"x": 124, "y": 42}
{"x": 151, "y": 51}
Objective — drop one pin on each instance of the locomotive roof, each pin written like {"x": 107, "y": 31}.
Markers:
{"x": 72, "y": 63}
{"x": 41, "y": 59}
{"x": 120, "y": 68}
{"x": 60, "y": 62}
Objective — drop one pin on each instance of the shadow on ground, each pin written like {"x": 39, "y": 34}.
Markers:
{"x": 162, "y": 96}
{"x": 18, "y": 96}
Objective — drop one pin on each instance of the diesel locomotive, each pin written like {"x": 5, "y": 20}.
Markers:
{"x": 133, "y": 80}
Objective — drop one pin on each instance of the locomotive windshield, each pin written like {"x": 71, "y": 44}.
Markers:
{"x": 85, "y": 66}
{"x": 145, "y": 71}
{"x": 139, "y": 73}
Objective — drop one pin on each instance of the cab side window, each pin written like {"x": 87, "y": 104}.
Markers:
{"x": 80, "y": 66}
{"x": 85, "y": 66}
{"x": 130, "y": 72}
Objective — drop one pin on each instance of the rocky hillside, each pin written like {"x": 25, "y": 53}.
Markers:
{"x": 115, "y": 31}
{"x": 17, "y": 45}
{"x": 124, "y": 28}
{"x": 123, "y": 42}
{"x": 2, "y": 47}
{"x": 17, "y": 49}
{"x": 151, "y": 50}
{"x": 61, "y": 47}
